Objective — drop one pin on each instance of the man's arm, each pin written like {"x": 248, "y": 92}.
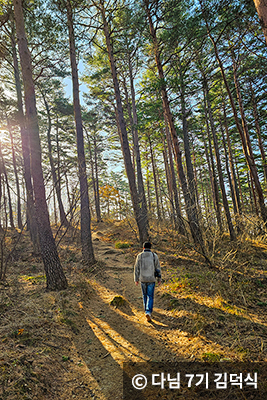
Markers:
{"x": 136, "y": 270}
{"x": 157, "y": 266}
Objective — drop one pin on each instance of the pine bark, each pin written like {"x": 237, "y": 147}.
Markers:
{"x": 55, "y": 277}
{"x": 31, "y": 212}
{"x": 86, "y": 237}
{"x": 261, "y": 7}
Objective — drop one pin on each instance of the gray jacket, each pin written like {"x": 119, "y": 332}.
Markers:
{"x": 145, "y": 264}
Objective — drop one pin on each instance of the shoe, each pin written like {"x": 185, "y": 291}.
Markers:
{"x": 148, "y": 318}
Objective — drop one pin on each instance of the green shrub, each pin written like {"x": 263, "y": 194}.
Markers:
{"x": 117, "y": 301}
{"x": 122, "y": 245}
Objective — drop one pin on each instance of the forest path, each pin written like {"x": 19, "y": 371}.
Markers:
{"x": 118, "y": 334}
{"x": 109, "y": 336}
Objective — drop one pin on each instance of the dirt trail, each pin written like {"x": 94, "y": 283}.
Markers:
{"x": 109, "y": 336}
{"x": 72, "y": 344}
{"x": 118, "y": 334}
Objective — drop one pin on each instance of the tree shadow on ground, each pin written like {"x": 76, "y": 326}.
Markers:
{"x": 108, "y": 337}
{"x": 214, "y": 324}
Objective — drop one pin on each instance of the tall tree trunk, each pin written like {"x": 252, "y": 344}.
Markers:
{"x": 11, "y": 219}
{"x": 55, "y": 206}
{"x": 261, "y": 7}
{"x": 190, "y": 202}
{"x": 231, "y": 160}
{"x": 214, "y": 182}
{"x": 16, "y": 179}
{"x": 252, "y": 188}
{"x": 228, "y": 170}
{"x": 219, "y": 167}
{"x": 91, "y": 161}
{"x": 211, "y": 186}
{"x": 244, "y": 135}
{"x": 58, "y": 167}
{"x": 86, "y": 237}
{"x": 180, "y": 222}
{"x": 195, "y": 175}
{"x": 140, "y": 182}
{"x": 239, "y": 183}
{"x": 68, "y": 194}
{"x": 98, "y": 212}
{"x": 31, "y": 212}
{"x": 258, "y": 130}
{"x": 155, "y": 179}
{"x": 56, "y": 181}
{"x": 162, "y": 209}
{"x": 148, "y": 181}
{"x": 252, "y": 205}
{"x": 55, "y": 277}
{"x": 94, "y": 174}
{"x": 247, "y": 147}
{"x": 169, "y": 184}
{"x": 189, "y": 166}
{"x": 141, "y": 223}
{"x": 204, "y": 195}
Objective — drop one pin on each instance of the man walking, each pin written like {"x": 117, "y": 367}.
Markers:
{"x": 146, "y": 270}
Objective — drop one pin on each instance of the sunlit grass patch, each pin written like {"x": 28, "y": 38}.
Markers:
{"x": 37, "y": 279}
{"x": 179, "y": 284}
{"x": 231, "y": 309}
{"x": 122, "y": 245}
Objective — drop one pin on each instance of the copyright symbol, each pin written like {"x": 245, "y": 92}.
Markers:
{"x": 139, "y": 381}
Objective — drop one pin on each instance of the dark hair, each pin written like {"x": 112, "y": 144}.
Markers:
{"x": 147, "y": 245}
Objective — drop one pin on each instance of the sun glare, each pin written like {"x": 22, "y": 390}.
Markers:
{"x": 3, "y": 134}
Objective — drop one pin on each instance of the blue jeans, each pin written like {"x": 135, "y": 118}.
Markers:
{"x": 148, "y": 296}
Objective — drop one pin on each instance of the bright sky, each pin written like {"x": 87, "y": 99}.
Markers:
{"x": 68, "y": 84}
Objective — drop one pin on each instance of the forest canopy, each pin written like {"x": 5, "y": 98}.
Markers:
{"x": 169, "y": 127}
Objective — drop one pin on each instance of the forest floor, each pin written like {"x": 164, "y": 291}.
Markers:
{"x": 72, "y": 344}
